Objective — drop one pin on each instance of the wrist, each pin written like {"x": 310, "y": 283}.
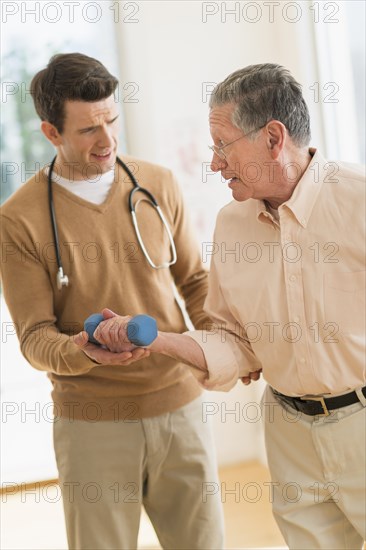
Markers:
{"x": 158, "y": 345}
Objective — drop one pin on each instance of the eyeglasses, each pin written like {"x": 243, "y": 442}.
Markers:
{"x": 219, "y": 151}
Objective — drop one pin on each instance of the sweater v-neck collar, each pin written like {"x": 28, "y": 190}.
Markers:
{"x": 103, "y": 207}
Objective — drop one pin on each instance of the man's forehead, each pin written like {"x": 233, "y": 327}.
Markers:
{"x": 220, "y": 116}
{"x": 84, "y": 111}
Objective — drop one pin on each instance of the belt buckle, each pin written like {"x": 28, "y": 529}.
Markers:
{"x": 321, "y": 401}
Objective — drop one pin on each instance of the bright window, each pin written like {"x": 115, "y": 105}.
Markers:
{"x": 340, "y": 45}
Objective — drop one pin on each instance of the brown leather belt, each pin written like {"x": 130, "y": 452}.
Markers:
{"x": 319, "y": 405}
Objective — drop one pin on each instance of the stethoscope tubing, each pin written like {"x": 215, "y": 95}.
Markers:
{"x": 62, "y": 280}
{"x": 53, "y": 215}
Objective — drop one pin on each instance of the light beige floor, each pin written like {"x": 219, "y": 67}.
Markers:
{"x": 33, "y": 518}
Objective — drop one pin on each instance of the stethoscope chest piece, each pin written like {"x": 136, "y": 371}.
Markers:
{"x": 62, "y": 280}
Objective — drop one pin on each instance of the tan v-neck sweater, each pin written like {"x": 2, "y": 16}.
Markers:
{"x": 106, "y": 268}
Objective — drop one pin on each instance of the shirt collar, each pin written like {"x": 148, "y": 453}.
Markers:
{"x": 304, "y": 196}
{"x": 306, "y": 192}
{"x": 263, "y": 214}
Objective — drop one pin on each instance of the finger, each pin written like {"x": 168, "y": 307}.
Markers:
{"x": 138, "y": 353}
{"x": 255, "y": 375}
{"x": 104, "y": 331}
{"x": 119, "y": 358}
{"x": 108, "y": 358}
{"x": 108, "y": 313}
{"x": 132, "y": 360}
{"x": 119, "y": 337}
{"x": 122, "y": 333}
{"x": 246, "y": 380}
{"x": 124, "y": 358}
{"x": 111, "y": 331}
{"x": 81, "y": 339}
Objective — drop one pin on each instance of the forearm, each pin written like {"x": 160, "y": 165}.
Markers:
{"x": 46, "y": 349}
{"x": 180, "y": 347}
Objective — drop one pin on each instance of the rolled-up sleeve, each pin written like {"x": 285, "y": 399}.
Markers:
{"x": 226, "y": 348}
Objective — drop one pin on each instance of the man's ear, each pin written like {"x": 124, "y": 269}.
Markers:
{"x": 51, "y": 133}
{"x": 276, "y": 137}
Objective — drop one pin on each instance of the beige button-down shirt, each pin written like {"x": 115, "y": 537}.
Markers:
{"x": 289, "y": 296}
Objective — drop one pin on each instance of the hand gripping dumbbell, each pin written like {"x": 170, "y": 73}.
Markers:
{"x": 141, "y": 329}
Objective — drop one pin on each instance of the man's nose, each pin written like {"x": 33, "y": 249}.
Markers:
{"x": 217, "y": 163}
{"x": 105, "y": 137}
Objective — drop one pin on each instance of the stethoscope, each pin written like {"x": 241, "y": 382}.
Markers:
{"x": 62, "y": 278}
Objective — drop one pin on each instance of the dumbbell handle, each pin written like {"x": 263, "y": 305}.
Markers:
{"x": 141, "y": 329}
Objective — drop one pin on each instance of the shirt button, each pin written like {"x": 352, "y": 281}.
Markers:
{"x": 293, "y": 278}
{"x": 302, "y": 360}
{"x": 296, "y": 319}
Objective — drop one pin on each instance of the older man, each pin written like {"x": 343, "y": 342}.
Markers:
{"x": 288, "y": 298}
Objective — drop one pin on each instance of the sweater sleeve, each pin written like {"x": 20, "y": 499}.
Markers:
{"x": 188, "y": 272}
{"x": 28, "y": 293}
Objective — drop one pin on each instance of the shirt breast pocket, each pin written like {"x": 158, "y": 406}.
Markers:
{"x": 344, "y": 301}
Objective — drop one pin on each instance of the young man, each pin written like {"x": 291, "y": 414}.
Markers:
{"x": 124, "y": 436}
{"x": 291, "y": 301}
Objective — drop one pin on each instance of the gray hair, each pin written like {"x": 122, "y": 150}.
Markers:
{"x": 261, "y": 93}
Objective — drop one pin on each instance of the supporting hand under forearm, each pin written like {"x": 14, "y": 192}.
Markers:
{"x": 113, "y": 333}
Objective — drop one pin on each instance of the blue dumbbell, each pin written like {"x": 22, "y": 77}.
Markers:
{"x": 141, "y": 329}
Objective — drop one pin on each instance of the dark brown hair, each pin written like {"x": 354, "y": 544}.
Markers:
{"x": 70, "y": 76}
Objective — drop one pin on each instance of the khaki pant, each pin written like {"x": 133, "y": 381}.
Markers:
{"x": 317, "y": 466}
{"x": 109, "y": 469}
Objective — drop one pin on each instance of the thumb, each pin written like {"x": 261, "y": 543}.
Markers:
{"x": 81, "y": 339}
{"x": 108, "y": 313}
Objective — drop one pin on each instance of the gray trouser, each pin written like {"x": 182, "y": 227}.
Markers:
{"x": 107, "y": 470}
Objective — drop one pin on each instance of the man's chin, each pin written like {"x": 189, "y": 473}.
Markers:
{"x": 104, "y": 163}
{"x": 238, "y": 195}
{"x": 237, "y": 190}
